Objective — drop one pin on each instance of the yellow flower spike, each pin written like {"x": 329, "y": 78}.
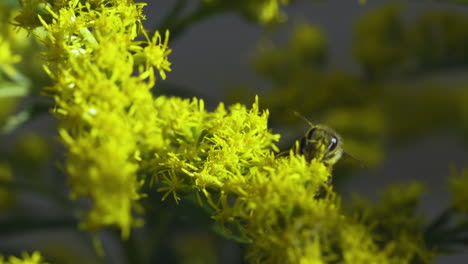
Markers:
{"x": 270, "y": 12}
{"x": 173, "y": 183}
{"x": 260, "y": 11}
{"x": 7, "y": 42}
{"x": 6, "y": 54}
{"x": 156, "y": 53}
{"x": 458, "y": 184}
{"x": 34, "y": 258}
{"x": 104, "y": 109}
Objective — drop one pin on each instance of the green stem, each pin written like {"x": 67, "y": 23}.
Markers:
{"x": 455, "y": 231}
{"x": 440, "y": 221}
{"x": 174, "y": 14}
{"x": 158, "y": 233}
{"x": 16, "y": 120}
{"x": 442, "y": 234}
{"x": 27, "y": 223}
{"x": 15, "y": 77}
{"x": 132, "y": 250}
{"x": 199, "y": 14}
{"x": 14, "y": 90}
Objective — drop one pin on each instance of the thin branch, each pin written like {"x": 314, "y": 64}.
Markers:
{"x": 18, "y": 119}
{"x": 201, "y": 13}
{"x": 441, "y": 220}
{"x": 174, "y": 14}
{"x": 13, "y": 90}
{"x": 25, "y": 224}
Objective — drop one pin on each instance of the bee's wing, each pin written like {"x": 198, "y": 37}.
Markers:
{"x": 349, "y": 155}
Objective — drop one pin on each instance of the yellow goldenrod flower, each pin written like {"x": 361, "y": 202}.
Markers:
{"x": 34, "y": 258}
{"x": 226, "y": 158}
{"x": 458, "y": 184}
{"x": 7, "y": 41}
{"x": 396, "y": 216}
{"x": 104, "y": 108}
{"x": 261, "y": 11}
{"x": 156, "y": 53}
{"x": 31, "y": 149}
{"x": 7, "y": 58}
{"x": 268, "y": 11}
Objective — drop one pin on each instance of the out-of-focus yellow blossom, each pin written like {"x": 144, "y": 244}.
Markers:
{"x": 462, "y": 104}
{"x": 7, "y": 106}
{"x": 6, "y": 193}
{"x": 8, "y": 58}
{"x": 261, "y": 11}
{"x": 438, "y": 38}
{"x": 384, "y": 44}
{"x": 458, "y": 184}
{"x": 396, "y": 222}
{"x": 366, "y": 137}
{"x": 31, "y": 149}
{"x": 27, "y": 18}
{"x": 196, "y": 247}
{"x": 21, "y": 70}
{"x": 34, "y": 258}
{"x": 308, "y": 44}
{"x": 379, "y": 40}
{"x": 268, "y": 11}
{"x": 7, "y": 55}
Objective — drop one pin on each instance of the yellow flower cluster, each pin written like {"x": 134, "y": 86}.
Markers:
{"x": 261, "y": 11}
{"x": 9, "y": 89}
{"x": 34, "y": 258}
{"x": 266, "y": 11}
{"x": 92, "y": 56}
{"x": 267, "y": 201}
{"x": 212, "y": 151}
{"x": 7, "y": 56}
{"x": 397, "y": 221}
{"x": 458, "y": 184}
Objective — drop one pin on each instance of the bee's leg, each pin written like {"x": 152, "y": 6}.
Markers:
{"x": 323, "y": 189}
{"x": 282, "y": 154}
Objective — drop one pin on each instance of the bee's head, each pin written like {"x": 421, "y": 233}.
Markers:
{"x": 322, "y": 143}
